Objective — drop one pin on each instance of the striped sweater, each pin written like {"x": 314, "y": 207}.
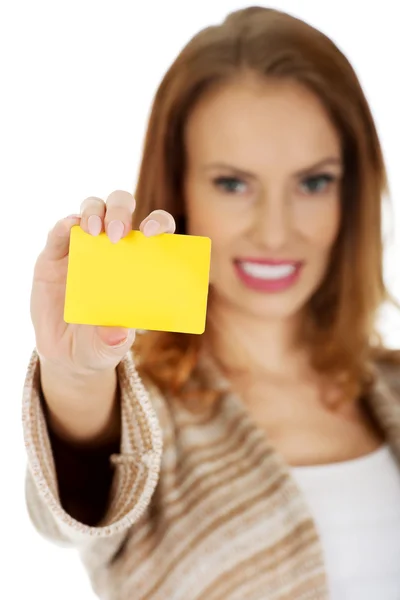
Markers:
{"x": 201, "y": 508}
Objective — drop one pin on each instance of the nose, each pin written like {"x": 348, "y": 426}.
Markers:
{"x": 272, "y": 222}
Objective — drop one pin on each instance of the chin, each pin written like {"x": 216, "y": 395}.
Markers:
{"x": 274, "y": 308}
{"x": 278, "y": 306}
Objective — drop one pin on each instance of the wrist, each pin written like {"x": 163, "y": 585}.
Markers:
{"x": 75, "y": 378}
{"x": 80, "y": 407}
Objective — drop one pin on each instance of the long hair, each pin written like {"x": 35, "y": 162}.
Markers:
{"x": 339, "y": 326}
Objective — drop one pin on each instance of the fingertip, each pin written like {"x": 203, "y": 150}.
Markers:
{"x": 63, "y": 227}
{"x": 115, "y": 230}
{"x": 151, "y": 227}
{"x": 94, "y": 225}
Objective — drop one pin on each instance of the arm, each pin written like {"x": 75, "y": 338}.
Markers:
{"x": 83, "y": 417}
{"x": 58, "y": 497}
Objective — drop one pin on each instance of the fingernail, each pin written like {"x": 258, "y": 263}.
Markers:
{"x": 115, "y": 231}
{"x": 94, "y": 224}
{"x": 151, "y": 227}
{"x": 117, "y": 341}
{"x": 117, "y": 337}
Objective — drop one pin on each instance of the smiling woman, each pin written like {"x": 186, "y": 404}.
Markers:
{"x": 271, "y": 218}
{"x": 271, "y": 150}
{"x": 211, "y": 476}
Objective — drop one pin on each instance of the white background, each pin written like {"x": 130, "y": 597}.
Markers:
{"x": 77, "y": 80}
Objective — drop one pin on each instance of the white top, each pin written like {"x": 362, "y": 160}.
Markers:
{"x": 356, "y": 507}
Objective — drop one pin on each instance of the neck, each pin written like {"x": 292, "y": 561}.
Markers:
{"x": 261, "y": 347}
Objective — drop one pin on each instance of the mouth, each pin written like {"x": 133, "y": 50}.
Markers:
{"x": 268, "y": 275}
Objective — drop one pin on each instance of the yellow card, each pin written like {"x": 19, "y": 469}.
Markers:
{"x": 158, "y": 283}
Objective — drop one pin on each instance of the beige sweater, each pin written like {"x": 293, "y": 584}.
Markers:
{"x": 202, "y": 507}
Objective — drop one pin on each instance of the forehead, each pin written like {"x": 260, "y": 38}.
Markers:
{"x": 265, "y": 122}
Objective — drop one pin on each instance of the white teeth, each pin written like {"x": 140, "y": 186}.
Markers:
{"x": 267, "y": 271}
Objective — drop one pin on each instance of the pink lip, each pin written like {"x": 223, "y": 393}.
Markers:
{"x": 269, "y": 261}
{"x": 268, "y": 285}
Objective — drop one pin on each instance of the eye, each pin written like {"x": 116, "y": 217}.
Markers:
{"x": 231, "y": 185}
{"x": 316, "y": 183}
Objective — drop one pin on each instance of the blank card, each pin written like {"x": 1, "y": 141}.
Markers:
{"x": 157, "y": 283}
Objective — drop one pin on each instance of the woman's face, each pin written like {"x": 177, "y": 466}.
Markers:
{"x": 263, "y": 182}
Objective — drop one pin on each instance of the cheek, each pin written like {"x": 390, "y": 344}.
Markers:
{"x": 201, "y": 220}
{"x": 204, "y": 219}
{"x": 208, "y": 223}
{"x": 319, "y": 224}
{"x": 212, "y": 218}
{"x": 200, "y": 217}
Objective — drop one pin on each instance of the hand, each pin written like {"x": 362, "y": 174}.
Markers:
{"x": 83, "y": 349}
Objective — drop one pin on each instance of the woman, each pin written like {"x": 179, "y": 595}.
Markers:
{"x": 260, "y": 460}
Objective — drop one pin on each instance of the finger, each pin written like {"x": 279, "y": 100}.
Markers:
{"x": 57, "y": 245}
{"x": 93, "y": 210}
{"x": 158, "y": 221}
{"x": 118, "y": 220}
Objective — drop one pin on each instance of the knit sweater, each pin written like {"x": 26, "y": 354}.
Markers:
{"x": 202, "y": 507}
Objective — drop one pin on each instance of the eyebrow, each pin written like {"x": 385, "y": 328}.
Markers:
{"x": 332, "y": 160}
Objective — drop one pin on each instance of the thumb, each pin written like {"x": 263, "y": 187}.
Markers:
{"x": 116, "y": 337}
